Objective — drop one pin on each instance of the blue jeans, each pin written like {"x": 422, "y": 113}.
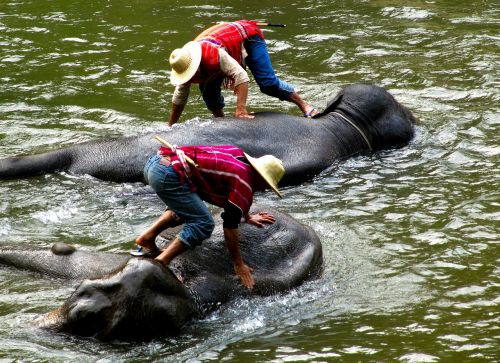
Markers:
{"x": 212, "y": 95}
{"x": 259, "y": 63}
{"x": 198, "y": 222}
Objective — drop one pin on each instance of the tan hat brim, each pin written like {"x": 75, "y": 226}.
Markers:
{"x": 268, "y": 180}
{"x": 194, "y": 49}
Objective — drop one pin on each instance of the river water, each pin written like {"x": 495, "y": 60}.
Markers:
{"x": 410, "y": 236}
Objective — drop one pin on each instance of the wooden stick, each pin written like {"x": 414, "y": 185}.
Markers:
{"x": 258, "y": 23}
{"x": 271, "y": 24}
{"x": 167, "y": 144}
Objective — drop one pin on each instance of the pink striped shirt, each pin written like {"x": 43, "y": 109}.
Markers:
{"x": 222, "y": 174}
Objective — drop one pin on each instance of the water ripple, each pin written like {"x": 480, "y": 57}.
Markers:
{"x": 407, "y": 13}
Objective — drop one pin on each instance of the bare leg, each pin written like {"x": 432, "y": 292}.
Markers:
{"x": 303, "y": 105}
{"x": 175, "y": 248}
{"x": 166, "y": 220}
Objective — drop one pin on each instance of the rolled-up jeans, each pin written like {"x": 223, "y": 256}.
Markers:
{"x": 259, "y": 62}
{"x": 198, "y": 222}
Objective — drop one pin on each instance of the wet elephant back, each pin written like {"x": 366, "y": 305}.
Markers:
{"x": 282, "y": 255}
{"x": 305, "y": 149}
{"x": 77, "y": 265}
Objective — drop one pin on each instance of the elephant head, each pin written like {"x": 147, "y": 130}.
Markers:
{"x": 142, "y": 300}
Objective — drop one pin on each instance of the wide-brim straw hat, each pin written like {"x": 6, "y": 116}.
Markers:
{"x": 270, "y": 169}
{"x": 184, "y": 62}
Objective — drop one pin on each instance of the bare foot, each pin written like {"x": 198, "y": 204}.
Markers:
{"x": 147, "y": 239}
{"x": 311, "y": 111}
{"x": 167, "y": 219}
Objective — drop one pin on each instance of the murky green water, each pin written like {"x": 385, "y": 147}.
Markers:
{"x": 410, "y": 236}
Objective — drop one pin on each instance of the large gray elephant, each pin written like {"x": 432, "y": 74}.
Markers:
{"x": 360, "y": 118}
{"x": 141, "y": 298}
{"x": 123, "y": 297}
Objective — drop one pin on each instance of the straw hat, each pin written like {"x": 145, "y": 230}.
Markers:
{"x": 185, "y": 62}
{"x": 270, "y": 169}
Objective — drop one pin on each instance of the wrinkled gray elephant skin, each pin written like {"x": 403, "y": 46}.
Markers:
{"x": 361, "y": 118}
{"x": 137, "y": 298}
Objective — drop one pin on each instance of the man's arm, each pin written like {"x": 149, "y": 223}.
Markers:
{"x": 231, "y": 68}
{"x": 175, "y": 113}
{"x": 179, "y": 100}
{"x": 231, "y": 236}
{"x": 241, "y": 92}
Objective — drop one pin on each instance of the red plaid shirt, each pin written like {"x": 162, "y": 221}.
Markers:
{"x": 231, "y": 36}
{"x": 221, "y": 176}
{"x": 209, "y": 67}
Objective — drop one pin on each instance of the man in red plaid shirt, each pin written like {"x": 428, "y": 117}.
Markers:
{"x": 218, "y": 56}
{"x": 224, "y": 176}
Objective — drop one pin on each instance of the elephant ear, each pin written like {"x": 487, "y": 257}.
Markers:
{"x": 331, "y": 106}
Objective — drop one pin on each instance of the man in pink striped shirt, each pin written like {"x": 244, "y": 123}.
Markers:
{"x": 222, "y": 175}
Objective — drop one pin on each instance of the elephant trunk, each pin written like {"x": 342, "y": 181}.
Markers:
{"x": 32, "y": 165}
{"x": 53, "y": 320}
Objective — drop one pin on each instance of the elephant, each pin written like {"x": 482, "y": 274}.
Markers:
{"x": 123, "y": 298}
{"x": 134, "y": 298}
{"x": 360, "y": 118}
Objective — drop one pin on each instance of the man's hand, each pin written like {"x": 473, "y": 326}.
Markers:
{"x": 245, "y": 273}
{"x": 243, "y": 114}
{"x": 258, "y": 219}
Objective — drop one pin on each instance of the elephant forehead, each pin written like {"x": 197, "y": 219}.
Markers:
{"x": 137, "y": 276}
{"x": 83, "y": 303}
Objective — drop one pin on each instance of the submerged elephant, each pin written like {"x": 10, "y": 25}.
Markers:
{"x": 135, "y": 298}
{"x": 360, "y": 118}
{"x": 139, "y": 298}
